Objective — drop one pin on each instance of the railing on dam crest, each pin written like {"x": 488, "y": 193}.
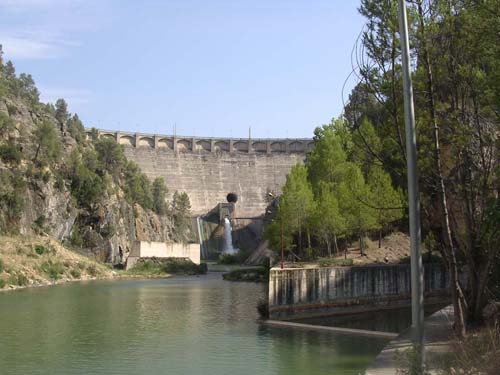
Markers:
{"x": 208, "y": 144}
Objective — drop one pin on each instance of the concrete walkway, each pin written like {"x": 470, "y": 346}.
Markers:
{"x": 438, "y": 334}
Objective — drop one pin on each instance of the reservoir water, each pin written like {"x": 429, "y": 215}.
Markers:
{"x": 189, "y": 325}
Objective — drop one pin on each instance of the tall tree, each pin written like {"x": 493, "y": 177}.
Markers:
{"x": 297, "y": 201}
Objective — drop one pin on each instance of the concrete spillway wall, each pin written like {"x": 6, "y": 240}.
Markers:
{"x": 340, "y": 290}
{"x": 207, "y": 169}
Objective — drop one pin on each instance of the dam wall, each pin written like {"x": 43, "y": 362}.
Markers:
{"x": 207, "y": 169}
{"x": 303, "y": 292}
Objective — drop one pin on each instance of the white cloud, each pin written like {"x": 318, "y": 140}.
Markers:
{"x": 46, "y": 29}
{"x": 23, "y": 5}
{"x": 75, "y": 97}
{"x": 23, "y": 48}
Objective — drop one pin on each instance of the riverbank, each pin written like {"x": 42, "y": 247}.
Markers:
{"x": 33, "y": 261}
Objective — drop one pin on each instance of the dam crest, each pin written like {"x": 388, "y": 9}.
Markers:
{"x": 210, "y": 144}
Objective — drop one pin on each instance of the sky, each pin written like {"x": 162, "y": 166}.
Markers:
{"x": 205, "y": 67}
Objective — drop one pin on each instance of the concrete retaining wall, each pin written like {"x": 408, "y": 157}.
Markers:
{"x": 145, "y": 249}
{"x": 341, "y": 290}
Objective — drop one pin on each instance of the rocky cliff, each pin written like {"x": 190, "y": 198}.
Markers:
{"x": 54, "y": 179}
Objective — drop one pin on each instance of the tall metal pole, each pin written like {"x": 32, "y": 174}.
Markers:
{"x": 417, "y": 273}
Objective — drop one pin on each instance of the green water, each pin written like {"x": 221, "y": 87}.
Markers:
{"x": 177, "y": 326}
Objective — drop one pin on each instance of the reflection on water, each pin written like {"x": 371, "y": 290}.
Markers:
{"x": 390, "y": 320}
{"x": 178, "y": 326}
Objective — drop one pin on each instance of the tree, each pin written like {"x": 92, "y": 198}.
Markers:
{"x": 352, "y": 194}
{"x": 61, "y": 114}
{"x": 111, "y": 156}
{"x": 137, "y": 186}
{"x": 328, "y": 220}
{"x": 180, "y": 211}
{"x": 76, "y": 128}
{"x": 324, "y": 159}
{"x": 456, "y": 45}
{"x": 367, "y": 147}
{"x": 28, "y": 89}
{"x": 384, "y": 199}
{"x": 47, "y": 143}
{"x": 297, "y": 202}
{"x": 159, "y": 193}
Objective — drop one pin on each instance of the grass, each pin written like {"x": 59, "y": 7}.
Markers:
{"x": 478, "y": 353}
{"x": 18, "y": 279}
{"x": 54, "y": 270}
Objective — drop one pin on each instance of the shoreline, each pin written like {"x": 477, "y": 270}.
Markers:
{"x": 61, "y": 282}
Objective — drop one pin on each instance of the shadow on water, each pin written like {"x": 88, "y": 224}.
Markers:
{"x": 391, "y": 320}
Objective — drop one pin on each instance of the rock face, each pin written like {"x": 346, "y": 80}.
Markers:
{"x": 106, "y": 231}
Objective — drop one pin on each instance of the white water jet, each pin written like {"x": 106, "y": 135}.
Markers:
{"x": 228, "y": 240}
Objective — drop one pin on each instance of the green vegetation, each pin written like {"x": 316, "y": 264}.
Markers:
{"x": 339, "y": 194}
{"x": 39, "y": 249}
{"x": 92, "y": 168}
{"x": 357, "y": 169}
{"x": 2, "y": 283}
{"x": 2, "y": 266}
{"x": 260, "y": 274}
{"x": 327, "y": 262}
{"x": 456, "y": 84}
{"x": 167, "y": 266}
{"x": 179, "y": 211}
{"x": 53, "y": 269}
{"x": 238, "y": 258}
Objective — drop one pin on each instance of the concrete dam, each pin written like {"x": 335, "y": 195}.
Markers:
{"x": 207, "y": 169}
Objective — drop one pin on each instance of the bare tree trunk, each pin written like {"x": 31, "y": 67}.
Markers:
{"x": 335, "y": 243}
{"x": 329, "y": 246}
{"x": 450, "y": 252}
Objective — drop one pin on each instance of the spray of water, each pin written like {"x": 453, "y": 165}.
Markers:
{"x": 228, "y": 240}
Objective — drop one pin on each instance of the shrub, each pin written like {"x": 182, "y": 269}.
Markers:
{"x": 39, "y": 249}
{"x": 92, "y": 270}
{"x": 156, "y": 266}
{"x": 182, "y": 266}
{"x": 10, "y": 153}
{"x": 22, "y": 280}
{"x": 18, "y": 279}
{"x": 229, "y": 259}
{"x": 238, "y": 258}
{"x": 260, "y": 274}
{"x": 1, "y": 265}
{"x": 2, "y": 283}
{"x": 329, "y": 262}
{"x": 53, "y": 269}
{"x": 39, "y": 223}
{"x": 75, "y": 273}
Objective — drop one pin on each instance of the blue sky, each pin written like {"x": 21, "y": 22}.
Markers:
{"x": 213, "y": 68}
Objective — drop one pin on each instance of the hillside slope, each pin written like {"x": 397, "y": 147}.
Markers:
{"x": 57, "y": 180}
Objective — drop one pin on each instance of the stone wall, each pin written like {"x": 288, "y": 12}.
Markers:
{"x": 341, "y": 290}
{"x": 207, "y": 169}
{"x": 146, "y": 249}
